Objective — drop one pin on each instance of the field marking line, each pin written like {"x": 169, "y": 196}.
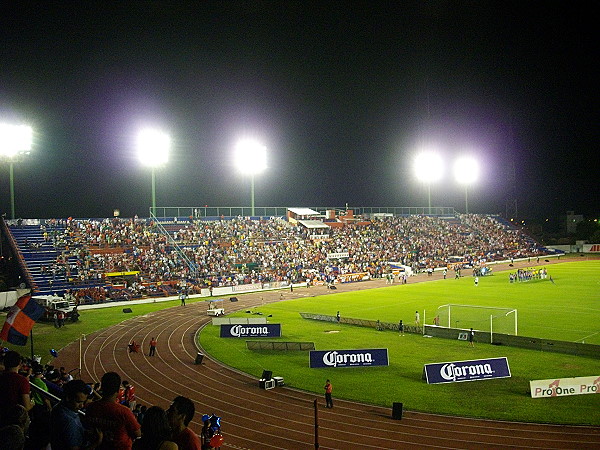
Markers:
{"x": 588, "y": 336}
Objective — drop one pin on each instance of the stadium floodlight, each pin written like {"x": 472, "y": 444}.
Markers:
{"x": 466, "y": 171}
{"x": 153, "y": 150}
{"x": 15, "y": 140}
{"x": 429, "y": 168}
{"x": 250, "y": 158}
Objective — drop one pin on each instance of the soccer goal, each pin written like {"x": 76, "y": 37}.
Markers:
{"x": 482, "y": 318}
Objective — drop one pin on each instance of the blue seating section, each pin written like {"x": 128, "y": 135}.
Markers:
{"x": 40, "y": 256}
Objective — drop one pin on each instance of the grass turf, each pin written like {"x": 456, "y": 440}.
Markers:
{"x": 567, "y": 309}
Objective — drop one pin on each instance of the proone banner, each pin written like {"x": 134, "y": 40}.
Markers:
{"x": 349, "y": 358}
{"x": 269, "y": 330}
{"x": 472, "y": 370}
{"x": 565, "y": 386}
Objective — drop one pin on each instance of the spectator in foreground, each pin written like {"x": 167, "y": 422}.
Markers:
{"x": 17, "y": 415}
{"x": 117, "y": 423}
{"x": 180, "y": 414}
{"x": 14, "y": 388}
{"x": 156, "y": 432}
{"x": 67, "y": 430}
{"x": 39, "y": 432}
{"x": 12, "y": 437}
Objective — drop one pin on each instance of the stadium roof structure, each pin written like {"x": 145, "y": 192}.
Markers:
{"x": 304, "y": 211}
{"x": 313, "y": 224}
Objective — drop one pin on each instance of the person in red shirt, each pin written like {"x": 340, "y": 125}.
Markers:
{"x": 121, "y": 395}
{"x": 14, "y": 388}
{"x": 117, "y": 423}
{"x": 180, "y": 414}
{"x": 152, "y": 347}
{"x": 129, "y": 395}
{"x": 328, "y": 390}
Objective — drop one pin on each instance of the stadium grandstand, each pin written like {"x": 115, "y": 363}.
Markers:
{"x": 114, "y": 259}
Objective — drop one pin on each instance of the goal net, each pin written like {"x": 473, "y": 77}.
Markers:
{"x": 482, "y": 318}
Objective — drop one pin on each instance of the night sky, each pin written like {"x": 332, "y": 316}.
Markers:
{"x": 342, "y": 94}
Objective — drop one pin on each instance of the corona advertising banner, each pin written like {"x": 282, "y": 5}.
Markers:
{"x": 267, "y": 330}
{"x": 349, "y": 358}
{"x": 473, "y": 370}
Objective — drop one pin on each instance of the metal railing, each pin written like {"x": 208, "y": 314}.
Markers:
{"x": 376, "y": 324}
{"x": 16, "y": 251}
{"x": 199, "y": 212}
{"x": 191, "y": 265}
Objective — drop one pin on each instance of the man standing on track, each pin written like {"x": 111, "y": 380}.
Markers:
{"x": 328, "y": 400}
{"x": 152, "y": 347}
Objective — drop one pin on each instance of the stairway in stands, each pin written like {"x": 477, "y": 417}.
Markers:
{"x": 39, "y": 253}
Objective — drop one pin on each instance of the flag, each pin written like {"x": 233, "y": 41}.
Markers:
{"x": 20, "y": 320}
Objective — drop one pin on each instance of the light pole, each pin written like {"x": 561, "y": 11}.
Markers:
{"x": 466, "y": 172}
{"x": 81, "y": 339}
{"x": 428, "y": 168}
{"x": 153, "y": 150}
{"x": 15, "y": 140}
{"x": 250, "y": 158}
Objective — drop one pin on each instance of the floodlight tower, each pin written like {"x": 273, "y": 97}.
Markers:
{"x": 15, "y": 141}
{"x": 429, "y": 168}
{"x": 466, "y": 172}
{"x": 251, "y": 159}
{"x": 153, "y": 150}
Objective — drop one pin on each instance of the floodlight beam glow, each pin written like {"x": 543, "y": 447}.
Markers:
{"x": 428, "y": 167}
{"x": 466, "y": 170}
{"x": 250, "y": 157}
{"x": 15, "y": 139}
{"x": 153, "y": 147}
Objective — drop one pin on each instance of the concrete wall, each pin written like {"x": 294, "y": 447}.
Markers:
{"x": 544, "y": 345}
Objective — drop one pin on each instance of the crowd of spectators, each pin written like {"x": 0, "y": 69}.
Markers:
{"x": 78, "y": 415}
{"x": 241, "y": 251}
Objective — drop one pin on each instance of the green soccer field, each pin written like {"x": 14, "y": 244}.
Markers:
{"x": 567, "y": 309}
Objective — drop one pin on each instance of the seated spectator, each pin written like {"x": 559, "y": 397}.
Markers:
{"x": 142, "y": 413}
{"x": 52, "y": 380}
{"x": 136, "y": 411}
{"x": 17, "y": 415}
{"x": 156, "y": 432}
{"x": 12, "y": 437}
{"x": 39, "y": 432}
{"x": 129, "y": 395}
{"x": 37, "y": 379}
{"x": 65, "y": 376}
{"x": 180, "y": 414}
{"x": 117, "y": 423}
{"x": 68, "y": 432}
{"x": 14, "y": 388}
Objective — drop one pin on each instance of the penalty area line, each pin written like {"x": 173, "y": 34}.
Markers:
{"x": 588, "y": 336}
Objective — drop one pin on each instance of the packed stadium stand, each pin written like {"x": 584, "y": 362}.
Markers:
{"x": 119, "y": 259}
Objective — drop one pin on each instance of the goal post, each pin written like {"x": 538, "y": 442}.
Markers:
{"x": 483, "y": 318}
